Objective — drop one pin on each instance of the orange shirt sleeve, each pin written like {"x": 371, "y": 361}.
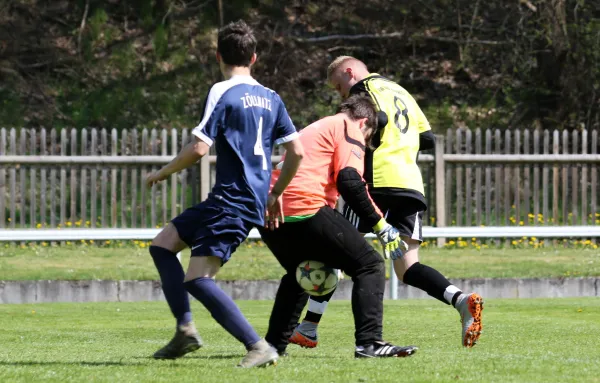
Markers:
{"x": 349, "y": 150}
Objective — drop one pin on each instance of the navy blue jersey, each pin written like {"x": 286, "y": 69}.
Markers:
{"x": 245, "y": 121}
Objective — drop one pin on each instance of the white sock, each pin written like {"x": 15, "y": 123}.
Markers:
{"x": 317, "y": 307}
{"x": 449, "y": 293}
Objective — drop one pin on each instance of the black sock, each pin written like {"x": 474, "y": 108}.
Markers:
{"x": 431, "y": 281}
{"x": 455, "y": 297}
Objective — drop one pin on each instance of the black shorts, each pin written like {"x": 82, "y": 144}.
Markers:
{"x": 325, "y": 237}
{"x": 404, "y": 213}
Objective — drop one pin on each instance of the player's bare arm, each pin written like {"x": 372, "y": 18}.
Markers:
{"x": 189, "y": 155}
{"x": 291, "y": 163}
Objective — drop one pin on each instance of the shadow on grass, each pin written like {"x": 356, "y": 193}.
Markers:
{"x": 195, "y": 356}
{"x": 64, "y": 363}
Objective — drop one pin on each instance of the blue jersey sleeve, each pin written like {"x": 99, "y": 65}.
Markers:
{"x": 208, "y": 128}
{"x": 285, "y": 131}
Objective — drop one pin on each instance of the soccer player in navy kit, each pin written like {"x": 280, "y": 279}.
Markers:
{"x": 244, "y": 120}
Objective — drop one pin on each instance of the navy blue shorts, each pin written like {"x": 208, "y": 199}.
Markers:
{"x": 209, "y": 229}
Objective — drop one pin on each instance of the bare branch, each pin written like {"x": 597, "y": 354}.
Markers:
{"x": 82, "y": 26}
{"x": 468, "y": 41}
{"x": 396, "y": 35}
{"x": 348, "y": 37}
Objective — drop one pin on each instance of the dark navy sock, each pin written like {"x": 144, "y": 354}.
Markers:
{"x": 171, "y": 277}
{"x": 223, "y": 309}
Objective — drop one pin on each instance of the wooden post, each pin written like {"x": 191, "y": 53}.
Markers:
{"x": 174, "y": 177}
{"x": 164, "y": 190}
{"x": 32, "y": 181}
{"x": 594, "y": 180}
{"x": 440, "y": 186}
{"x": 124, "y": 185}
{"x": 84, "y": 180}
{"x": 204, "y": 177}
{"x": 43, "y": 180}
{"x": 12, "y": 149}
{"x": 144, "y": 189}
{"x": 104, "y": 184}
{"x": 114, "y": 140}
{"x": 184, "y": 174}
{"x": 73, "y": 179}
{"x": 63, "y": 179}
{"x": 135, "y": 204}
{"x": 2, "y": 179}
{"x": 94, "y": 181}
{"x": 22, "y": 175}
{"x": 153, "y": 208}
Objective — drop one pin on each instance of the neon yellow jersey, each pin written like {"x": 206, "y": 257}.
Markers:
{"x": 393, "y": 164}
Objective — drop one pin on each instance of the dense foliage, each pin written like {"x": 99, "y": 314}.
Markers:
{"x": 149, "y": 63}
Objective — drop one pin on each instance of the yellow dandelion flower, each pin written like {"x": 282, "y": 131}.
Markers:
{"x": 107, "y": 242}
{"x": 91, "y": 241}
{"x": 142, "y": 245}
{"x": 39, "y": 225}
{"x": 514, "y": 243}
{"x": 68, "y": 243}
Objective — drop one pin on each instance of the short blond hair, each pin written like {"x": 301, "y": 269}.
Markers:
{"x": 339, "y": 61}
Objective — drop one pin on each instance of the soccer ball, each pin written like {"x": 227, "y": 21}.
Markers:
{"x": 316, "y": 278}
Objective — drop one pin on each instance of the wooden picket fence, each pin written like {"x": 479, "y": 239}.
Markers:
{"x": 46, "y": 181}
{"x": 44, "y": 195}
{"x": 539, "y": 191}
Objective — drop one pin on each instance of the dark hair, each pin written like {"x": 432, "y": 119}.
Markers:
{"x": 358, "y": 107}
{"x": 236, "y": 43}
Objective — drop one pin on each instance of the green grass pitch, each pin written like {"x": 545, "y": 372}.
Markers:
{"x": 549, "y": 340}
{"x": 253, "y": 261}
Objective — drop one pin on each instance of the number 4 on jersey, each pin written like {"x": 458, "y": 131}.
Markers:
{"x": 258, "y": 146}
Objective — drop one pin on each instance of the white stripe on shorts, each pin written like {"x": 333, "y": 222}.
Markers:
{"x": 417, "y": 228}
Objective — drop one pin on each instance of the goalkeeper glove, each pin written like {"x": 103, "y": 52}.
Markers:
{"x": 393, "y": 245}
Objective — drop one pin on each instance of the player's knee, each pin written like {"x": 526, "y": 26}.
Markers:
{"x": 412, "y": 243}
{"x": 410, "y": 257}
{"x": 169, "y": 239}
{"x": 158, "y": 252}
{"x": 376, "y": 263}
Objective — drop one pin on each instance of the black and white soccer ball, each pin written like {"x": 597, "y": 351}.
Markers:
{"x": 316, "y": 278}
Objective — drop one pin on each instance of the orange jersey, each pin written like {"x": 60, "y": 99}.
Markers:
{"x": 330, "y": 145}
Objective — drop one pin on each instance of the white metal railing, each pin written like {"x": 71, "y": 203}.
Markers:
{"x": 17, "y": 235}
{"x": 428, "y": 232}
